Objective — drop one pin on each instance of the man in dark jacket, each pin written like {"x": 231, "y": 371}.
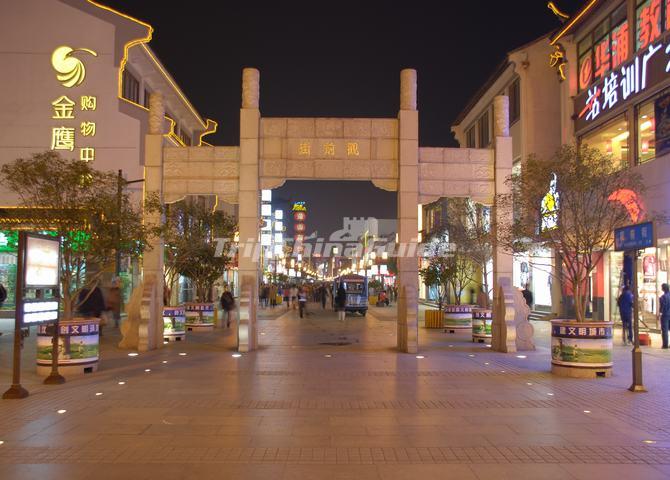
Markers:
{"x": 528, "y": 296}
{"x": 228, "y": 305}
{"x": 625, "y": 303}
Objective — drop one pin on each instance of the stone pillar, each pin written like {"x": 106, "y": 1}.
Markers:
{"x": 504, "y": 329}
{"x": 408, "y": 200}
{"x": 145, "y": 321}
{"x": 249, "y": 208}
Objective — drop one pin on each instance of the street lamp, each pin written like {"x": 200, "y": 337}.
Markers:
{"x": 120, "y": 183}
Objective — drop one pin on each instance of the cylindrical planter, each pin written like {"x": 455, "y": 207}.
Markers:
{"x": 174, "y": 320}
{"x": 200, "y": 317}
{"x": 434, "y": 319}
{"x": 458, "y": 318}
{"x": 581, "y": 349}
{"x": 482, "y": 320}
{"x": 78, "y": 347}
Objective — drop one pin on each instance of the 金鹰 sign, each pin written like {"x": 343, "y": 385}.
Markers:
{"x": 71, "y": 72}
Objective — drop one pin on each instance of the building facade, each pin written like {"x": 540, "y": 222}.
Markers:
{"x": 615, "y": 97}
{"x": 80, "y": 84}
{"x": 534, "y": 120}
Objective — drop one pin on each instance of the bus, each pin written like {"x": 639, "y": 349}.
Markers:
{"x": 356, "y": 287}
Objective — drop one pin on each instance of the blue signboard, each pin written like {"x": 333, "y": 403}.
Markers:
{"x": 634, "y": 237}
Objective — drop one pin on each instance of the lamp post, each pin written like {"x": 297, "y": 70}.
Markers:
{"x": 120, "y": 183}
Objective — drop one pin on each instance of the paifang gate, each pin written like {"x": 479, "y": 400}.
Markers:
{"x": 383, "y": 151}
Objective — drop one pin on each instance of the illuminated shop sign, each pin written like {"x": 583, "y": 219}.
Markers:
{"x": 328, "y": 149}
{"x": 648, "y": 68}
{"x": 73, "y": 111}
{"x": 299, "y": 207}
{"x": 549, "y": 208}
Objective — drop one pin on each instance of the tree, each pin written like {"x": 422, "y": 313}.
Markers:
{"x": 469, "y": 227}
{"x": 191, "y": 232}
{"x": 71, "y": 199}
{"x": 437, "y": 274}
{"x": 570, "y": 203}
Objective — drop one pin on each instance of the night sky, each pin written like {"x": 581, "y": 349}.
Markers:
{"x": 339, "y": 59}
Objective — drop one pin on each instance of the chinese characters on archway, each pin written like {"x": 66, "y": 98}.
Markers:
{"x": 328, "y": 149}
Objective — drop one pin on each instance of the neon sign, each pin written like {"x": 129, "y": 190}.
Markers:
{"x": 648, "y": 68}
{"x": 71, "y": 72}
{"x": 549, "y": 207}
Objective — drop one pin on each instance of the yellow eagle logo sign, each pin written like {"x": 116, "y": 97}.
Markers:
{"x": 70, "y": 70}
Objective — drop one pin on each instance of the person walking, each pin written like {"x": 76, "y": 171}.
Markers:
{"x": 294, "y": 296}
{"x": 323, "y": 293}
{"x": 3, "y": 294}
{"x": 341, "y": 302}
{"x": 273, "y": 295}
{"x": 227, "y": 304}
{"x": 528, "y": 296}
{"x": 302, "y": 300}
{"x": 625, "y": 304}
{"x": 664, "y": 310}
{"x": 287, "y": 296}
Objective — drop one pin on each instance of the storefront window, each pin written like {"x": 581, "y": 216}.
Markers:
{"x": 648, "y": 22}
{"x": 646, "y": 133}
{"x": 611, "y": 139}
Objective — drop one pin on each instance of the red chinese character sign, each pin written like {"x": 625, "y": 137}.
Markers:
{"x": 648, "y": 23}
{"x": 648, "y": 68}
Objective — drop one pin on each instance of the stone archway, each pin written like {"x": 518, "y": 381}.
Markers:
{"x": 383, "y": 151}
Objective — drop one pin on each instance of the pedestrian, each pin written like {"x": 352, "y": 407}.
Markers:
{"x": 528, "y": 296}
{"x": 273, "y": 295}
{"x": 294, "y": 297}
{"x": 302, "y": 300}
{"x": 664, "y": 310}
{"x": 91, "y": 303}
{"x": 287, "y": 296}
{"x": 227, "y": 304}
{"x": 323, "y": 293}
{"x": 341, "y": 302}
{"x": 3, "y": 294}
{"x": 113, "y": 300}
{"x": 625, "y": 304}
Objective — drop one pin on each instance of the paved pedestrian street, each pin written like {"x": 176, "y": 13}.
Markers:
{"x": 322, "y": 399}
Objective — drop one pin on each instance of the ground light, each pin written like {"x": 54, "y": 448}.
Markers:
{"x": 97, "y": 394}
{"x": 587, "y": 411}
{"x": 1, "y": 442}
{"x": 521, "y": 356}
{"x": 528, "y": 383}
{"x": 420, "y": 356}
{"x": 183, "y": 354}
{"x": 486, "y": 363}
{"x": 122, "y": 383}
{"x": 61, "y": 412}
{"x": 550, "y": 394}
{"x": 471, "y": 355}
{"x": 164, "y": 361}
{"x": 147, "y": 369}
{"x": 133, "y": 354}
{"x": 328, "y": 356}
{"x": 237, "y": 355}
{"x": 650, "y": 442}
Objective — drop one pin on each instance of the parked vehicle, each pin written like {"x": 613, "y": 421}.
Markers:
{"x": 356, "y": 287}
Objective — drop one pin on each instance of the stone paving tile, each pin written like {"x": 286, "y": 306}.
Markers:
{"x": 287, "y": 411}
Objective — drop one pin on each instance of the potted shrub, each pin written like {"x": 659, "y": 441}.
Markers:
{"x": 566, "y": 203}
{"x": 436, "y": 274}
{"x": 95, "y": 218}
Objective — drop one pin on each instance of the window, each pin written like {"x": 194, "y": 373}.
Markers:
{"x": 514, "y": 101}
{"x": 646, "y": 132}
{"x": 146, "y": 98}
{"x": 484, "y": 130}
{"x": 604, "y": 48}
{"x": 647, "y": 22}
{"x": 613, "y": 139}
{"x": 131, "y": 87}
{"x": 471, "y": 138}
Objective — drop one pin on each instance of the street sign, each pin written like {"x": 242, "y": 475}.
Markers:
{"x": 635, "y": 237}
